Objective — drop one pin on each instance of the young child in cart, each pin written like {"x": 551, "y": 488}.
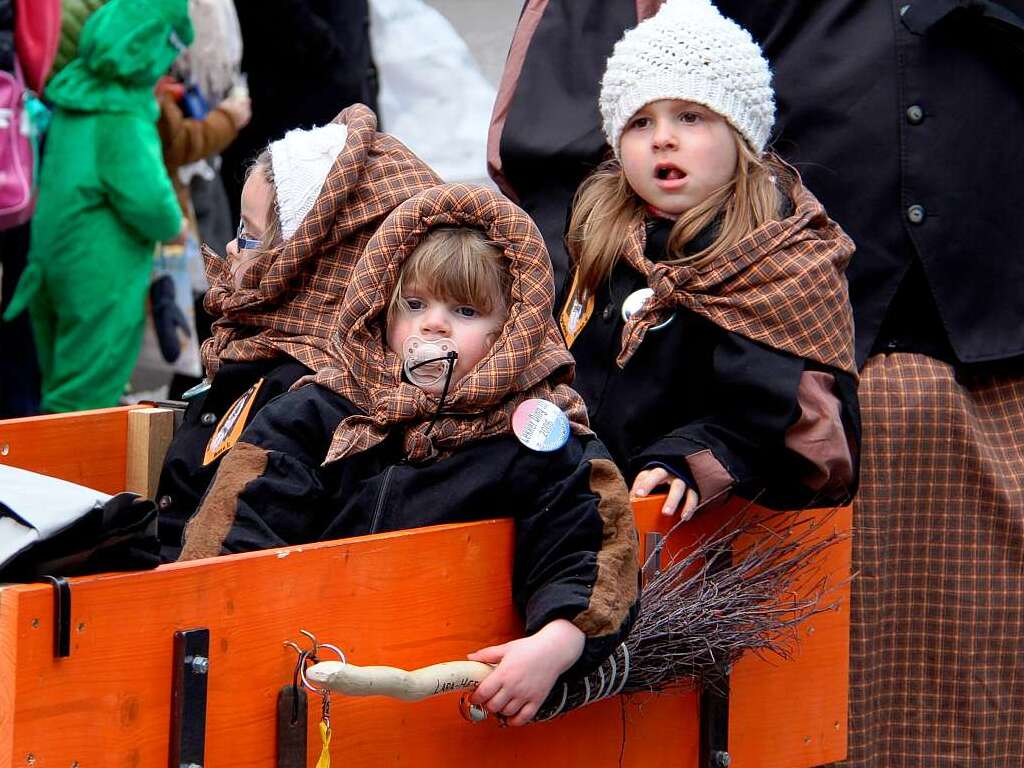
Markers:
{"x": 309, "y": 206}
{"x": 446, "y": 402}
{"x": 708, "y": 312}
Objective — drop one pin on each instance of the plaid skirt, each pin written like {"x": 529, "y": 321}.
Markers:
{"x": 937, "y": 637}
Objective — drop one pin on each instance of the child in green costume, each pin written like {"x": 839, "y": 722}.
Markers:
{"x": 104, "y": 202}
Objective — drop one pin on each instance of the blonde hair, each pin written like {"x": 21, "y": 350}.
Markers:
{"x": 456, "y": 264}
{"x": 606, "y": 209}
{"x": 271, "y": 239}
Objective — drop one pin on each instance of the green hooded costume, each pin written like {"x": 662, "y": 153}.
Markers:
{"x": 104, "y": 202}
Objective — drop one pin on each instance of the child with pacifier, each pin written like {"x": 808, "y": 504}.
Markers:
{"x": 447, "y": 402}
{"x": 310, "y": 204}
{"x": 708, "y": 312}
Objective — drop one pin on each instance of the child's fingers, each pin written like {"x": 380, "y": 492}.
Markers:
{"x": 489, "y": 686}
{"x": 498, "y": 701}
{"x": 648, "y": 480}
{"x": 676, "y": 490}
{"x": 492, "y": 654}
{"x": 526, "y": 714}
{"x": 690, "y": 504}
{"x": 512, "y": 708}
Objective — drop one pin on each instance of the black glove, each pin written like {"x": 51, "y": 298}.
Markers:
{"x": 168, "y": 318}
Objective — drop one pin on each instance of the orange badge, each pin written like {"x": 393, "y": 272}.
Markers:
{"x": 230, "y": 427}
{"x": 575, "y": 314}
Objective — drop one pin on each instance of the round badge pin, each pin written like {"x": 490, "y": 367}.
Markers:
{"x": 635, "y": 301}
{"x": 540, "y": 425}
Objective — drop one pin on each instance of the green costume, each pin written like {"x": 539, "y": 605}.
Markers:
{"x": 104, "y": 202}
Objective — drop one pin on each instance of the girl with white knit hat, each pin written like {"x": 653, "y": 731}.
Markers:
{"x": 707, "y": 311}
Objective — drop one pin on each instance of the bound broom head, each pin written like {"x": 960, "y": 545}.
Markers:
{"x": 743, "y": 589}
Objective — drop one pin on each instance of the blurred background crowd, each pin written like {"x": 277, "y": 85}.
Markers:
{"x": 227, "y": 81}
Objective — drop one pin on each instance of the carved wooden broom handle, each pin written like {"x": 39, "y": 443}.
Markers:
{"x": 341, "y": 677}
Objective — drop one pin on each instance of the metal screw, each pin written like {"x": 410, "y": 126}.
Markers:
{"x": 191, "y": 765}
{"x": 200, "y": 666}
{"x": 75, "y": 764}
{"x": 35, "y": 625}
{"x": 30, "y": 759}
{"x": 5, "y": 449}
{"x": 721, "y": 759}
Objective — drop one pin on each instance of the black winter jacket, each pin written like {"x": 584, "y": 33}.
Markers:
{"x": 184, "y": 478}
{"x": 714, "y": 407}
{"x": 281, "y": 494}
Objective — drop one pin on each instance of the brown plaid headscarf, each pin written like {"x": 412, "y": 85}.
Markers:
{"x": 289, "y": 300}
{"x": 528, "y": 360}
{"x": 782, "y": 285}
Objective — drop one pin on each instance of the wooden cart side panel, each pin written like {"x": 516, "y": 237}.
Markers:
{"x": 86, "y": 447}
{"x": 8, "y": 673}
{"x": 408, "y": 598}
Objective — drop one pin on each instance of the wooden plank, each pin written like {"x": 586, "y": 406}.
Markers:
{"x": 149, "y": 434}
{"x": 407, "y": 599}
{"x": 86, "y": 447}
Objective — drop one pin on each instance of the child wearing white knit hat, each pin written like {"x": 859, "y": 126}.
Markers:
{"x": 708, "y": 311}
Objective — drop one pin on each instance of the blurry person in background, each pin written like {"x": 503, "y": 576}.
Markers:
{"x": 104, "y": 202}
{"x": 34, "y": 26}
{"x": 305, "y": 60}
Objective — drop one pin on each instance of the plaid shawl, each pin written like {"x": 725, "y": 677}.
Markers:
{"x": 289, "y": 300}
{"x": 782, "y": 285}
{"x": 528, "y": 360}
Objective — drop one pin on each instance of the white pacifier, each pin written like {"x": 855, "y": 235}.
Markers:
{"x": 426, "y": 361}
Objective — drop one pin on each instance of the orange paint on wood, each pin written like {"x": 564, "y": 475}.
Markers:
{"x": 86, "y": 447}
{"x": 407, "y": 599}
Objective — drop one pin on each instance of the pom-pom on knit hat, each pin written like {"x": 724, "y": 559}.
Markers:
{"x": 689, "y": 51}
{"x": 301, "y": 162}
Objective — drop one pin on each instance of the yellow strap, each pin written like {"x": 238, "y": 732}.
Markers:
{"x": 325, "y": 753}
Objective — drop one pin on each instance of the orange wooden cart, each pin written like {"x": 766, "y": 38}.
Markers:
{"x": 406, "y": 599}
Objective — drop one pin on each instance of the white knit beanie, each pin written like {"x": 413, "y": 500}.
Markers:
{"x": 301, "y": 162}
{"x": 689, "y": 51}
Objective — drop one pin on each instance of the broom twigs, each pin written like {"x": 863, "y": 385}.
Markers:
{"x": 744, "y": 588}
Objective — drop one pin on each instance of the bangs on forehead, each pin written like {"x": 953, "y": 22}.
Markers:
{"x": 457, "y": 265}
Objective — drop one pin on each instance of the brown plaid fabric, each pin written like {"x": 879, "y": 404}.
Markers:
{"x": 937, "y": 639}
{"x": 289, "y": 301}
{"x": 782, "y": 285}
{"x": 528, "y": 360}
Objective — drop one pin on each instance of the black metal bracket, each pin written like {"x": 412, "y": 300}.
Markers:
{"x": 292, "y": 706}
{"x": 714, "y": 723}
{"x": 188, "y": 703}
{"x": 61, "y": 616}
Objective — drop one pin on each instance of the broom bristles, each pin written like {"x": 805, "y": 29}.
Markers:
{"x": 743, "y": 589}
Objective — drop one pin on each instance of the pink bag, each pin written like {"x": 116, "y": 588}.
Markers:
{"x": 17, "y": 196}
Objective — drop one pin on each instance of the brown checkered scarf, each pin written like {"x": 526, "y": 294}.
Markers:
{"x": 782, "y": 285}
{"x": 290, "y": 299}
{"x": 528, "y": 360}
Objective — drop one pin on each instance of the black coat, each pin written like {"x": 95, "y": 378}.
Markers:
{"x": 296, "y": 499}
{"x": 306, "y": 60}
{"x": 880, "y": 114}
{"x": 693, "y": 387}
{"x": 184, "y": 478}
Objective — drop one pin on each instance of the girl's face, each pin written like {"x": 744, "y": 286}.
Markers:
{"x": 676, "y": 153}
{"x": 256, "y": 197}
{"x": 421, "y": 313}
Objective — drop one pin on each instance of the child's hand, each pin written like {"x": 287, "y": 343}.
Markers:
{"x": 527, "y": 669}
{"x": 679, "y": 494}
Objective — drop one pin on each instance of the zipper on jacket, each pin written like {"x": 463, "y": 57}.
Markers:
{"x": 381, "y": 496}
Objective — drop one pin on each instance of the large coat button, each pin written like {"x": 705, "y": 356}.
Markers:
{"x": 915, "y": 115}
